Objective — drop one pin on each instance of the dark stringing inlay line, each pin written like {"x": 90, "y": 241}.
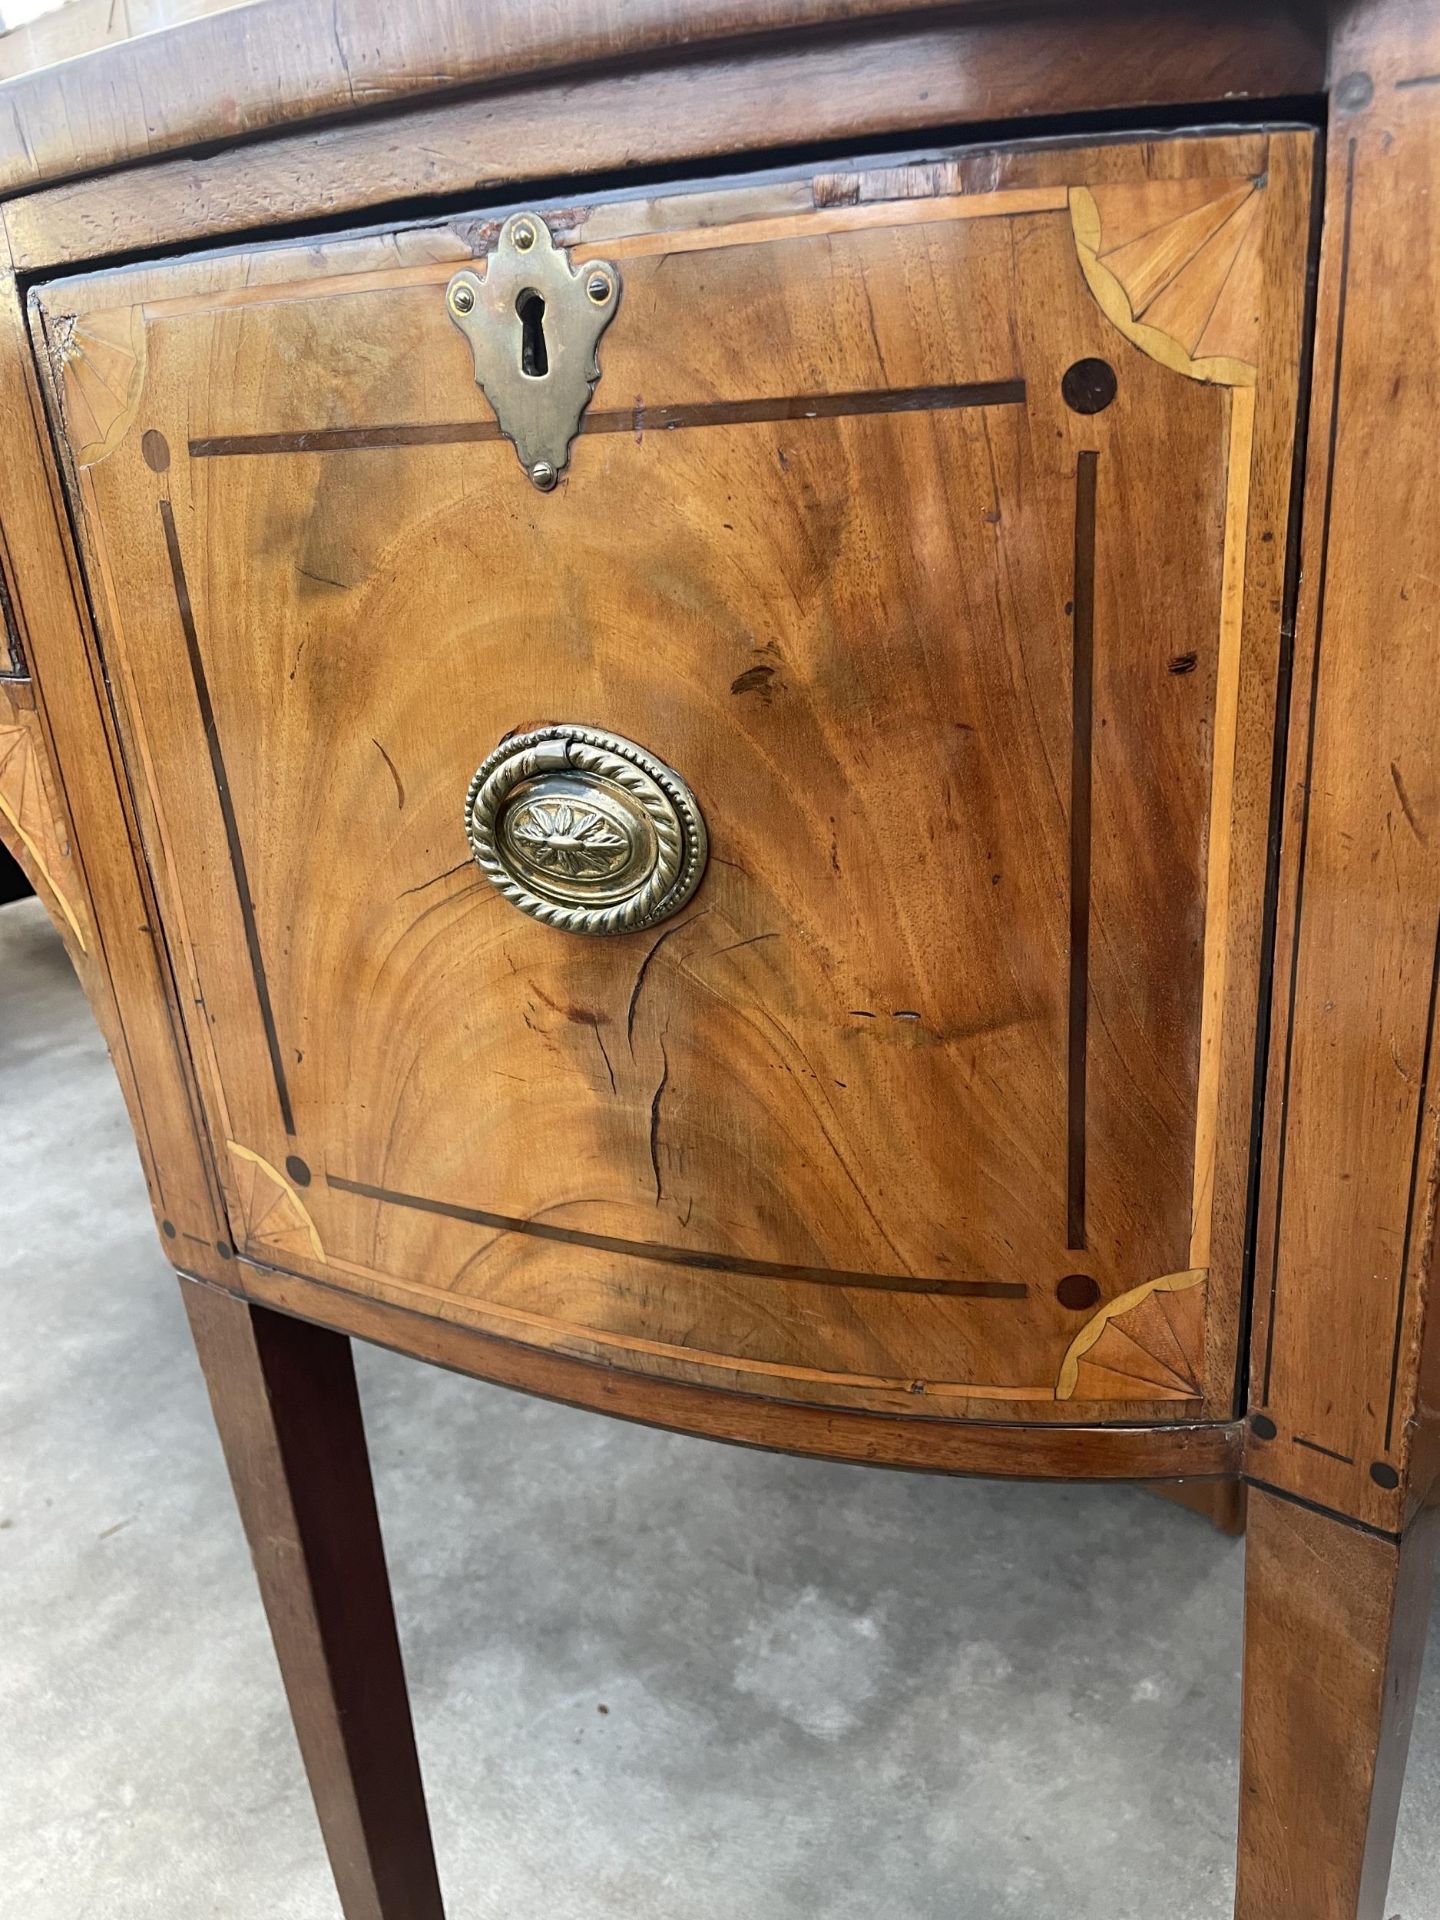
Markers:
{"x": 1083, "y": 682}
{"x": 684, "y": 1256}
{"x": 636, "y": 420}
{"x": 227, "y": 811}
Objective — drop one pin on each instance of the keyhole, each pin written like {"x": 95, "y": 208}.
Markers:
{"x": 534, "y": 359}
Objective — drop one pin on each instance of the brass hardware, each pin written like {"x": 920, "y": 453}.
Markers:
{"x": 585, "y": 830}
{"x": 534, "y": 323}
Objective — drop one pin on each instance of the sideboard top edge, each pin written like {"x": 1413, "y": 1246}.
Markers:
{"x": 264, "y": 68}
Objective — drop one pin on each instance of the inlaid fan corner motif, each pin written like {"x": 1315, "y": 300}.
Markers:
{"x": 269, "y": 1212}
{"x": 101, "y": 361}
{"x": 1148, "y": 1344}
{"x": 1176, "y": 266}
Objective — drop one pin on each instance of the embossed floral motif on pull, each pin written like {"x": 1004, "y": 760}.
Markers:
{"x": 564, "y": 838}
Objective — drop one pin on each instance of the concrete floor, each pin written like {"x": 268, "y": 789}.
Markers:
{"x": 654, "y": 1678}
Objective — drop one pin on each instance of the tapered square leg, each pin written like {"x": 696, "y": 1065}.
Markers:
{"x": 285, "y": 1402}
{"x": 1335, "y": 1622}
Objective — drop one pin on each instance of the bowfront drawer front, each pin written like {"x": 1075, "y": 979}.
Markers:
{"x": 766, "y": 892}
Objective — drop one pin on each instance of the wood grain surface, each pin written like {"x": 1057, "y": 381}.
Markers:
{"x": 67, "y": 717}
{"x": 12, "y": 644}
{"x": 886, "y": 79}
{"x": 1335, "y": 1626}
{"x": 32, "y": 824}
{"x": 288, "y": 1412}
{"x": 1204, "y": 1455}
{"x": 1344, "y": 1250}
{"x": 819, "y": 1138}
{"x": 250, "y": 69}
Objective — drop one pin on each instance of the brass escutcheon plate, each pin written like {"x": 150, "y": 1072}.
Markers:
{"x": 584, "y": 830}
{"x": 534, "y": 323}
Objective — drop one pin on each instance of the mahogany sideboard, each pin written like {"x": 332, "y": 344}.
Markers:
{"x": 732, "y": 710}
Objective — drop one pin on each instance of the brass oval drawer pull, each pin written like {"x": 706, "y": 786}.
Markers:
{"x": 585, "y": 830}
